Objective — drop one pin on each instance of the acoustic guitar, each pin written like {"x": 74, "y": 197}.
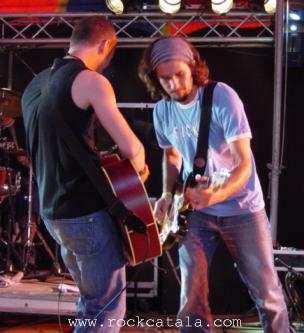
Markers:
{"x": 127, "y": 186}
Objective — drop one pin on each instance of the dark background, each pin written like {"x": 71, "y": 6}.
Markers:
{"x": 250, "y": 71}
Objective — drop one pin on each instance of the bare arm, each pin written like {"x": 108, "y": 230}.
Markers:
{"x": 93, "y": 89}
{"x": 172, "y": 162}
{"x": 240, "y": 149}
{"x": 171, "y": 167}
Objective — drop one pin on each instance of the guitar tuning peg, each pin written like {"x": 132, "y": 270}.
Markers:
{"x": 197, "y": 177}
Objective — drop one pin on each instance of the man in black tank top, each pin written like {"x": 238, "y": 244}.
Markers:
{"x": 71, "y": 207}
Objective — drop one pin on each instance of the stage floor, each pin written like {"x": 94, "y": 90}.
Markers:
{"x": 38, "y": 297}
{"x": 33, "y": 306}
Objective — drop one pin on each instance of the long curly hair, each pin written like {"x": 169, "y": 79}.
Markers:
{"x": 200, "y": 72}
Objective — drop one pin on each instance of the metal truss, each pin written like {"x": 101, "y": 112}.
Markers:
{"x": 138, "y": 29}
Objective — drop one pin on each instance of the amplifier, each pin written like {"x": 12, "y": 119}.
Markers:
{"x": 142, "y": 280}
{"x": 291, "y": 257}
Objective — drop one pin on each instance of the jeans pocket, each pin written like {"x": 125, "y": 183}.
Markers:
{"x": 76, "y": 234}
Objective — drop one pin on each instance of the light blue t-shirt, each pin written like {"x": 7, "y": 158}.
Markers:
{"x": 177, "y": 125}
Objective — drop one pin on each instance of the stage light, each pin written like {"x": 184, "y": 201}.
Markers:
{"x": 124, "y": 6}
{"x": 294, "y": 16}
{"x": 115, "y": 6}
{"x": 221, "y": 6}
{"x": 169, "y": 6}
{"x": 270, "y": 6}
{"x": 293, "y": 28}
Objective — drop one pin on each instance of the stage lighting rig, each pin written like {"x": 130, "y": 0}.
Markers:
{"x": 221, "y": 6}
{"x": 169, "y": 6}
{"x": 270, "y": 6}
{"x": 122, "y": 6}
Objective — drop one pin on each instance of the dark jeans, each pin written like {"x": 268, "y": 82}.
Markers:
{"x": 249, "y": 242}
{"x": 91, "y": 250}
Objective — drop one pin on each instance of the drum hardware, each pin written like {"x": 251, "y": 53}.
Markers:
{"x": 294, "y": 287}
{"x": 8, "y": 256}
{"x": 10, "y": 185}
{"x": 7, "y": 145}
{"x": 7, "y": 191}
{"x": 22, "y": 249}
{"x": 10, "y": 107}
{"x": 10, "y": 180}
{"x": 32, "y": 231}
{"x": 10, "y": 103}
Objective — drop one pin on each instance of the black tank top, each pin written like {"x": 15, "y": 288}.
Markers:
{"x": 64, "y": 189}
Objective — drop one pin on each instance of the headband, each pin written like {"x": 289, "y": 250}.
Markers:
{"x": 170, "y": 49}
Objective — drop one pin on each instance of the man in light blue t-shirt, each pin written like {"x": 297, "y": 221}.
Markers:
{"x": 173, "y": 71}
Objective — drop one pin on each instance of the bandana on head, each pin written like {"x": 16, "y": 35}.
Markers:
{"x": 170, "y": 49}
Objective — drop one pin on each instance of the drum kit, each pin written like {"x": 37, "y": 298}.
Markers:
{"x": 10, "y": 109}
{"x": 11, "y": 184}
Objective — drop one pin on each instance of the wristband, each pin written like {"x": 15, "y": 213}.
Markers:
{"x": 143, "y": 171}
{"x": 167, "y": 195}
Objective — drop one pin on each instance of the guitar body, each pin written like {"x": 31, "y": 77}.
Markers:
{"x": 175, "y": 224}
{"x": 127, "y": 186}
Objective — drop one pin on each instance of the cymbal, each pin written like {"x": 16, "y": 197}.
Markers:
{"x": 10, "y": 103}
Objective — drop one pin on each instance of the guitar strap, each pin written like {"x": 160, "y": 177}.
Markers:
{"x": 116, "y": 207}
{"x": 200, "y": 159}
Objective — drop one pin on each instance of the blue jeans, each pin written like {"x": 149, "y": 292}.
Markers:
{"x": 248, "y": 240}
{"x": 91, "y": 250}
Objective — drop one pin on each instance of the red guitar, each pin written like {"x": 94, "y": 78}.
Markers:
{"x": 127, "y": 186}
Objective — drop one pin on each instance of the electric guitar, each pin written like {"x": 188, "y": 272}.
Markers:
{"x": 174, "y": 227}
{"x": 128, "y": 187}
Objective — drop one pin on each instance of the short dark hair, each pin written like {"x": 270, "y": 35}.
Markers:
{"x": 92, "y": 29}
{"x": 200, "y": 72}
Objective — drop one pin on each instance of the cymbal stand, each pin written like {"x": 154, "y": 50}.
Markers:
{"x": 10, "y": 226}
{"x": 32, "y": 229}
{"x": 27, "y": 251}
